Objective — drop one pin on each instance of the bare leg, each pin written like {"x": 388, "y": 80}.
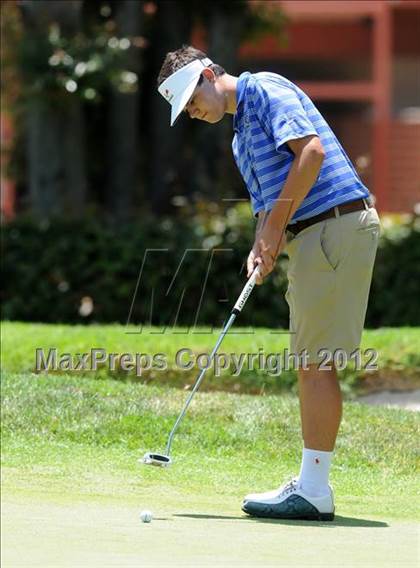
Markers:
{"x": 320, "y": 407}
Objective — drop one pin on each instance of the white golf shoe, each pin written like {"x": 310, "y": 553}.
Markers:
{"x": 290, "y": 502}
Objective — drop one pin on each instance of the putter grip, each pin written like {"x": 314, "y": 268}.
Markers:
{"x": 240, "y": 303}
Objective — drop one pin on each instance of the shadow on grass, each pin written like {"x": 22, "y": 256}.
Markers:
{"x": 337, "y": 522}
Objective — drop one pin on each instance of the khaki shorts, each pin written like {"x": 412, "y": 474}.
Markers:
{"x": 329, "y": 273}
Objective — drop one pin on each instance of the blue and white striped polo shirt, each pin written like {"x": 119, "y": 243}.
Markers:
{"x": 270, "y": 111}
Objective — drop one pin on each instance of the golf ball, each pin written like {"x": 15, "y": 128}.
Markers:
{"x": 146, "y": 516}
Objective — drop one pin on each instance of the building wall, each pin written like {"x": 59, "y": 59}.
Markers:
{"x": 355, "y": 133}
{"x": 405, "y": 166}
{"x": 337, "y": 49}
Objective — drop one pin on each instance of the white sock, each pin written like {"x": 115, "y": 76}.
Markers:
{"x": 314, "y": 472}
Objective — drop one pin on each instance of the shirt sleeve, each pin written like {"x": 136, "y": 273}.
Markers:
{"x": 281, "y": 113}
{"x": 256, "y": 204}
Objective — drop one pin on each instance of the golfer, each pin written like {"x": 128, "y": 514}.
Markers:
{"x": 310, "y": 203}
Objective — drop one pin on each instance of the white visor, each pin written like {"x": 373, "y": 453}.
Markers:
{"x": 178, "y": 87}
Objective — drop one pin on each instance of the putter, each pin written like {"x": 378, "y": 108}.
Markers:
{"x": 163, "y": 460}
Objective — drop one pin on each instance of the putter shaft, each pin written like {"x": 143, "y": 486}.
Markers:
{"x": 235, "y": 311}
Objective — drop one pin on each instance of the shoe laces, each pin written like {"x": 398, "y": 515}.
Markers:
{"x": 290, "y": 487}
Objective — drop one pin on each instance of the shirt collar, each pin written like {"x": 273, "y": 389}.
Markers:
{"x": 240, "y": 95}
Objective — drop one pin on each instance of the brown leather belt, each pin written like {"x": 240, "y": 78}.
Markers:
{"x": 342, "y": 209}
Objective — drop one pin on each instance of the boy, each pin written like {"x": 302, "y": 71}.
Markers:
{"x": 310, "y": 203}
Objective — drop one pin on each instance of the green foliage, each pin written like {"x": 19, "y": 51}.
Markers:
{"x": 186, "y": 270}
{"x": 11, "y": 34}
{"x": 258, "y": 19}
{"x": 51, "y": 267}
{"x": 398, "y": 358}
{"x": 263, "y": 19}
{"x": 56, "y": 66}
{"x": 107, "y": 413}
{"x": 70, "y": 428}
{"x": 395, "y": 294}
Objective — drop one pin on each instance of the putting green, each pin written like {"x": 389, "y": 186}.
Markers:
{"x": 189, "y": 530}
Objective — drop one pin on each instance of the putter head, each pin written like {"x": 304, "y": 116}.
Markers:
{"x": 158, "y": 460}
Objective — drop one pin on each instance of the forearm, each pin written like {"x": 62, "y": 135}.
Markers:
{"x": 262, "y": 218}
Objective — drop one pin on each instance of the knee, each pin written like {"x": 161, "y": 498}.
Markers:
{"x": 314, "y": 372}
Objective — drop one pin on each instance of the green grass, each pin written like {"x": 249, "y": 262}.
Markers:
{"x": 72, "y": 489}
{"x": 398, "y": 354}
{"x": 67, "y": 434}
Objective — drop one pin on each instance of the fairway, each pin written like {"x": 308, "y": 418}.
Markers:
{"x": 72, "y": 489}
{"x": 189, "y": 530}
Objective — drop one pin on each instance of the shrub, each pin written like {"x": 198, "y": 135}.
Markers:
{"x": 69, "y": 271}
{"x": 395, "y": 296}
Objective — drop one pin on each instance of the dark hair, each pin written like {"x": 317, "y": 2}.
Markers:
{"x": 175, "y": 60}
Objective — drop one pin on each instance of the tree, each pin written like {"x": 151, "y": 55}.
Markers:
{"x": 74, "y": 53}
{"x": 55, "y": 132}
{"x": 172, "y": 29}
{"x": 225, "y": 24}
{"x": 176, "y": 168}
{"x": 123, "y": 149}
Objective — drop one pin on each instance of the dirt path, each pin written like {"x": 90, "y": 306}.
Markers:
{"x": 410, "y": 400}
